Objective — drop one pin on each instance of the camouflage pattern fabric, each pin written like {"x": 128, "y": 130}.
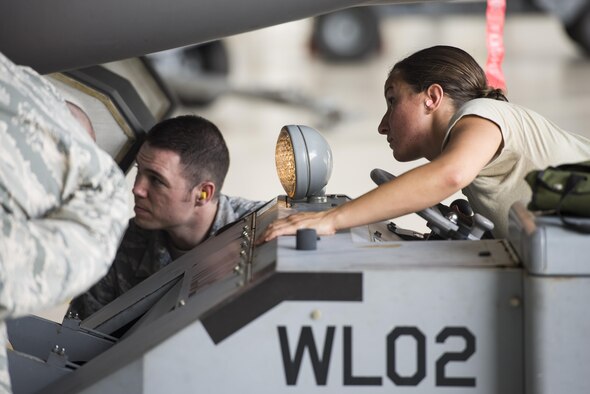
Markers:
{"x": 63, "y": 201}
{"x": 144, "y": 252}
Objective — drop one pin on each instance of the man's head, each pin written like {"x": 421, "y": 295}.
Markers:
{"x": 83, "y": 118}
{"x": 181, "y": 167}
{"x": 198, "y": 142}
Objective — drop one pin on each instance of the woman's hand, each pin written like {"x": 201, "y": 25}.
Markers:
{"x": 320, "y": 221}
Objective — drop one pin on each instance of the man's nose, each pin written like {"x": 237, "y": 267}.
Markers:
{"x": 139, "y": 186}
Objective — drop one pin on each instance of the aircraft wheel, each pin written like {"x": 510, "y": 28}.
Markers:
{"x": 348, "y": 35}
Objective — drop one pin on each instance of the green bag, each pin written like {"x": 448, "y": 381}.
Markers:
{"x": 563, "y": 190}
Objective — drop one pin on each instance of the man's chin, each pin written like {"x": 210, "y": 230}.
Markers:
{"x": 145, "y": 224}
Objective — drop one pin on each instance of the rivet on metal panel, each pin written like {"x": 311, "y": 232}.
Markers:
{"x": 316, "y": 314}
{"x": 515, "y": 301}
{"x": 73, "y": 315}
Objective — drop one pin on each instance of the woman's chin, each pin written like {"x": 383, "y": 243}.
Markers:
{"x": 399, "y": 157}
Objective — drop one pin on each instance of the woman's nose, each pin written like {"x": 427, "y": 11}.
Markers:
{"x": 383, "y": 127}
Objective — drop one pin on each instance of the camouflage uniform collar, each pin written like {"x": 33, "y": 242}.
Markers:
{"x": 156, "y": 254}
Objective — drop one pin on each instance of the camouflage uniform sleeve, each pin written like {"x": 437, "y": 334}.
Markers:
{"x": 63, "y": 201}
{"x": 46, "y": 261}
{"x": 140, "y": 254}
{"x": 96, "y": 297}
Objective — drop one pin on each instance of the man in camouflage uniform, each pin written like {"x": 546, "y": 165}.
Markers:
{"x": 180, "y": 171}
{"x": 63, "y": 203}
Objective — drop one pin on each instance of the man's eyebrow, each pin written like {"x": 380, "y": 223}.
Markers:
{"x": 154, "y": 172}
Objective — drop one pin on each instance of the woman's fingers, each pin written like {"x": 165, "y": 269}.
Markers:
{"x": 286, "y": 226}
{"x": 292, "y": 223}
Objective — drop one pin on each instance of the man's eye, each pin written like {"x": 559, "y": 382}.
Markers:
{"x": 156, "y": 181}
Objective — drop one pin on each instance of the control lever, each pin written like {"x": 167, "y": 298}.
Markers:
{"x": 440, "y": 219}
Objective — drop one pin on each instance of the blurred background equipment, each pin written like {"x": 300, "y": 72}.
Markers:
{"x": 354, "y": 34}
{"x": 195, "y": 74}
{"x": 199, "y": 74}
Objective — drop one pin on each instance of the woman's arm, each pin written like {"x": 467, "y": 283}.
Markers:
{"x": 474, "y": 143}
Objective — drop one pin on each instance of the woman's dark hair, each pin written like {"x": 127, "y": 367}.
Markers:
{"x": 198, "y": 142}
{"x": 461, "y": 78}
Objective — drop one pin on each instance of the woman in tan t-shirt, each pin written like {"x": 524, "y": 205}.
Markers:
{"x": 440, "y": 107}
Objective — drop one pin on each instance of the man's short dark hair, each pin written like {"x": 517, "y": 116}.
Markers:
{"x": 198, "y": 142}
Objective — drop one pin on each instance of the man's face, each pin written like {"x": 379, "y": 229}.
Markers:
{"x": 163, "y": 197}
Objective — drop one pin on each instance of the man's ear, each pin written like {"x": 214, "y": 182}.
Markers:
{"x": 204, "y": 192}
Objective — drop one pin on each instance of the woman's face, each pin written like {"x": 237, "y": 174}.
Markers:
{"x": 405, "y": 122}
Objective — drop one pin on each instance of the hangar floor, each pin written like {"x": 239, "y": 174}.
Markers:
{"x": 544, "y": 70}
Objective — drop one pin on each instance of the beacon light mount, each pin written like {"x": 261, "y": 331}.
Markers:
{"x": 304, "y": 163}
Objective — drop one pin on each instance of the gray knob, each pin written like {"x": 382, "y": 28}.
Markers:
{"x": 306, "y": 239}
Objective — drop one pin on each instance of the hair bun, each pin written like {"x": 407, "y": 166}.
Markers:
{"x": 496, "y": 94}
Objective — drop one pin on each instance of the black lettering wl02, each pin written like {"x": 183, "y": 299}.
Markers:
{"x": 321, "y": 364}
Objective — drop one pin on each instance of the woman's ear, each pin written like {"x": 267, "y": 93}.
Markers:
{"x": 434, "y": 95}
